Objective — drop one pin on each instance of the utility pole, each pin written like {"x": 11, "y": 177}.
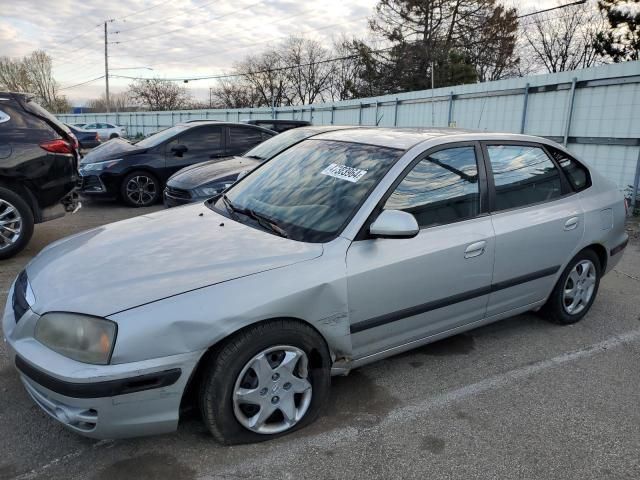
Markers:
{"x": 106, "y": 68}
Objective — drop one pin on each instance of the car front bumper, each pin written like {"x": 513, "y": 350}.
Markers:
{"x": 99, "y": 401}
{"x": 173, "y": 197}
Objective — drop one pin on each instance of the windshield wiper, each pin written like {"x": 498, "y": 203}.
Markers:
{"x": 266, "y": 222}
{"x": 257, "y": 157}
{"x": 230, "y": 207}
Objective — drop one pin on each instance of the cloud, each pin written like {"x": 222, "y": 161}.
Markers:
{"x": 176, "y": 38}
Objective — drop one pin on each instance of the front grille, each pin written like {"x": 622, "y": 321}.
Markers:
{"x": 177, "y": 193}
{"x": 19, "y": 301}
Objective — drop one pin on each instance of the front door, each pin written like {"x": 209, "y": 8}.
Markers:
{"x": 403, "y": 290}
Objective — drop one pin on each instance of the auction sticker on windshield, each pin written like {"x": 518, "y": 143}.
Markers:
{"x": 343, "y": 172}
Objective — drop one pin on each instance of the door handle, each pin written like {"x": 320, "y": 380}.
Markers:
{"x": 475, "y": 249}
{"x": 571, "y": 223}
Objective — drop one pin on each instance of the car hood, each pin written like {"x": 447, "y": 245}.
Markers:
{"x": 136, "y": 261}
{"x": 203, "y": 173}
{"x": 111, "y": 149}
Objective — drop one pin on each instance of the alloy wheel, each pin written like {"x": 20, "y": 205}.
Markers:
{"x": 272, "y": 392}
{"x": 10, "y": 224}
{"x": 579, "y": 287}
{"x": 141, "y": 190}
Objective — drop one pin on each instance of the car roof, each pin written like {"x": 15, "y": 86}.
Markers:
{"x": 319, "y": 129}
{"x": 253, "y": 121}
{"x": 191, "y": 123}
{"x": 400, "y": 138}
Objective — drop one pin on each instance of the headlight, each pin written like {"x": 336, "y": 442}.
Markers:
{"x": 212, "y": 190}
{"x": 79, "y": 337}
{"x": 92, "y": 167}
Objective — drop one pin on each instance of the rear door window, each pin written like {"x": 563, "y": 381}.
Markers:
{"x": 523, "y": 175}
{"x": 242, "y": 139}
{"x": 203, "y": 142}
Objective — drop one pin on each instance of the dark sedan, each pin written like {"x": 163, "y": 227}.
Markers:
{"x": 137, "y": 172}
{"x": 205, "y": 180}
{"x": 86, "y": 139}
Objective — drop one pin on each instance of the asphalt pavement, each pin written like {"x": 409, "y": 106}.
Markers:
{"x": 521, "y": 398}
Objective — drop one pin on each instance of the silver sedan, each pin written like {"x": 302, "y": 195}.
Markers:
{"x": 344, "y": 249}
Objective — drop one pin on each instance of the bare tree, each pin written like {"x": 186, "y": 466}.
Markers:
{"x": 118, "y": 102}
{"x": 234, "y": 93}
{"x": 565, "y": 41}
{"x": 158, "y": 94}
{"x": 309, "y": 69}
{"x": 33, "y": 74}
{"x": 265, "y": 75}
{"x": 13, "y": 75}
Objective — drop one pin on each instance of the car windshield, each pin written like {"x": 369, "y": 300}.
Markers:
{"x": 158, "y": 138}
{"x": 270, "y": 148}
{"x": 310, "y": 191}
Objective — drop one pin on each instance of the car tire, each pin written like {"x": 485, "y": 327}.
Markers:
{"x": 140, "y": 189}
{"x": 575, "y": 291}
{"x": 113, "y": 135}
{"x": 289, "y": 348}
{"x": 14, "y": 213}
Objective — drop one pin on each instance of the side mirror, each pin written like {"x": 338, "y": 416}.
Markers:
{"x": 394, "y": 224}
{"x": 179, "y": 150}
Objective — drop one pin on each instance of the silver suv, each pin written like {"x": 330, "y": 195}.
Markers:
{"x": 346, "y": 248}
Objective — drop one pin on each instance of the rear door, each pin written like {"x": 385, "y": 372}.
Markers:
{"x": 538, "y": 223}
{"x": 403, "y": 290}
{"x": 194, "y": 145}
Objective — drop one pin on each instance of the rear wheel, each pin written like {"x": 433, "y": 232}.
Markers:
{"x": 140, "y": 189}
{"x": 265, "y": 382}
{"x": 16, "y": 223}
{"x": 576, "y": 289}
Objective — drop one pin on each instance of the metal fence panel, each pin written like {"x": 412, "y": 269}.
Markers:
{"x": 595, "y": 111}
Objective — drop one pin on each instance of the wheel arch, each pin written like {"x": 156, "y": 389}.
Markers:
{"x": 601, "y": 252}
{"x": 196, "y": 375}
{"x": 19, "y": 188}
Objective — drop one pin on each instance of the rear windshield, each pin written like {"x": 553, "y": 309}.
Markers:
{"x": 270, "y": 148}
{"x": 32, "y": 107}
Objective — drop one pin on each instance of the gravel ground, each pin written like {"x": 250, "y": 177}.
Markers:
{"x": 521, "y": 398}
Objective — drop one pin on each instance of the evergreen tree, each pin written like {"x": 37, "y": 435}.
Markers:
{"x": 622, "y": 41}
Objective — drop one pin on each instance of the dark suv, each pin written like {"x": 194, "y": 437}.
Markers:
{"x": 38, "y": 170}
{"x": 137, "y": 172}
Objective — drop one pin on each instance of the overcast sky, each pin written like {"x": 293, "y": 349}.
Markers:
{"x": 175, "y": 38}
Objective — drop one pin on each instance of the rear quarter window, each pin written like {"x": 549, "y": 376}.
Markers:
{"x": 22, "y": 127}
{"x": 576, "y": 173}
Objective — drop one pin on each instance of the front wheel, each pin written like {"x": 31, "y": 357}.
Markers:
{"x": 576, "y": 289}
{"x": 113, "y": 135}
{"x": 140, "y": 189}
{"x": 265, "y": 382}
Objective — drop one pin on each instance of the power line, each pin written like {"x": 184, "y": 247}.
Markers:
{"x": 233, "y": 75}
{"x": 82, "y": 83}
{"x": 69, "y": 40}
{"x": 579, "y": 2}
